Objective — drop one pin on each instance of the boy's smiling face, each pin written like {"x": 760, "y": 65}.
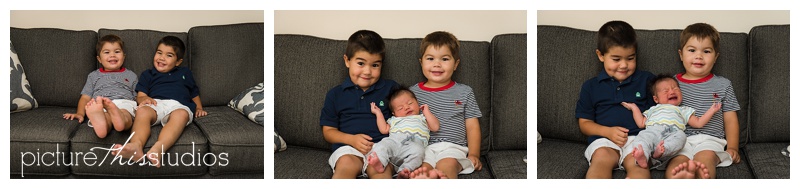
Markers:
{"x": 111, "y": 56}
{"x": 438, "y": 66}
{"x": 165, "y": 59}
{"x": 698, "y": 57}
{"x": 364, "y": 68}
{"x": 619, "y": 62}
{"x": 668, "y": 92}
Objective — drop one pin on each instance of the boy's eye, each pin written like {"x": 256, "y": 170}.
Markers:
{"x": 691, "y": 50}
{"x": 429, "y": 58}
{"x": 376, "y": 65}
{"x": 360, "y": 63}
{"x": 615, "y": 59}
{"x": 445, "y": 59}
{"x": 707, "y": 51}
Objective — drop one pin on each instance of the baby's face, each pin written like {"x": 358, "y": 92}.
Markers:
{"x": 405, "y": 105}
{"x": 111, "y": 56}
{"x": 668, "y": 92}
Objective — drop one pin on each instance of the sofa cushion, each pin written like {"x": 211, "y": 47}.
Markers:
{"x": 56, "y": 62}
{"x": 767, "y": 161}
{"x": 232, "y": 134}
{"x": 507, "y": 164}
{"x": 769, "y": 59}
{"x": 226, "y": 59}
{"x": 302, "y": 163}
{"x": 250, "y": 103}
{"x": 509, "y": 95}
{"x": 140, "y": 47}
{"x": 41, "y": 130}
{"x": 560, "y": 159}
{"x": 21, "y": 97}
{"x": 191, "y": 147}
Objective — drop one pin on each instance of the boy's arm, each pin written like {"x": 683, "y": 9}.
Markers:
{"x": 199, "y": 112}
{"x": 433, "y": 122}
{"x": 618, "y": 135}
{"x": 638, "y": 117}
{"x": 81, "y": 112}
{"x": 699, "y": 122}
{"x": 360, "y": 142}
{"x": 382, "y": 125}
{"x": 474, "y": 141}
{"x": 731, "y": 122}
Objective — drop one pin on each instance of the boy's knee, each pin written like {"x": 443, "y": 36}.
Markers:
{"x": 447, "y": 163}
{"x": 145, "y": 111}
{"x": 706, "y": 156}
{"x": 605, "y": 156}
{"x": 349, "y": 162}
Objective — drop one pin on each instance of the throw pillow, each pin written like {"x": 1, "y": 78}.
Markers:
{"x": 280, "y": 145}
{"x": 250, "y": 102}
{"x": 21, "y": 97}
{"x": 538, "y": 137}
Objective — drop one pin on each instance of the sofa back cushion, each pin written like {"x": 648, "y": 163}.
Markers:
{"x": 509, "y": 95}
{"x": 769, "y": 57}
{"x": 566, "y": 58}
{"x": 226, "y": 59}
{"x": 140, "y": 47}
{"x": 56, "y": 62}
{"x": 306, "y": 67}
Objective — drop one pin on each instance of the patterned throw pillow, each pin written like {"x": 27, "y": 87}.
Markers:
{"x": 250, "y": 103}
{"x": 21, "y": 98}
{"x": 280, "y": 145}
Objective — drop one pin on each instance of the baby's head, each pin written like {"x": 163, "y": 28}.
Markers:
{"x": 364, "y": 58}
{"x": 403, "y": 103}
{"x": 699, "y": 50}
{"x": 666, "y": 90}
{"x": 616, "y": 48}
{"x": 110, "y": 52}
{"x": 439, "y": 57}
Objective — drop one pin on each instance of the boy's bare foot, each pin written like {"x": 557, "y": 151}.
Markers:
{"x": 94, "y": 110}
{"x": 373, "y": 160}
{"x": 404, "y": 174}
{"x": 130, "y": 151}
{"x": 116, "y": 114}
{"x": 690, "y": 170}
{"x": 423, "y": 173}
{"x": 659, "y": 150}
{"x": 638, "y": 155}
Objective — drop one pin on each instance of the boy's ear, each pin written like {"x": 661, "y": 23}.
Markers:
{"x": 179, "y": 62}
{"x": 346, "y": 62}
{"x": 456, "y": 65}
{"x": 98, "y": 59}
{"x": 599, "y": 54}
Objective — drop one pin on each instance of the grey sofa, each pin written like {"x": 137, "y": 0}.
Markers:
{"x": 225, "y": 60}
{"x": 306, "y": 67}
{"x": 757, "y": 63}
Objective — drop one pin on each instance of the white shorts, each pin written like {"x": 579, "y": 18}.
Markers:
{"x": 348, "y": 150}
{"x": 441, "y": 150}
{"x": 122, "y": 104}
{"x": 164, "y": 107}
{"x": 604, "y": 142}
{"x": 700, "y": 142}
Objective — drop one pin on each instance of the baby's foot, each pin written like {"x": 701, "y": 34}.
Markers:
{"x": 130, "y": 151}
{"x": 638, "y": 155}
{"x": 94, "y": 110}
{"x": 115, "y": 113}
{"x": 659, "y": 150}
{"x": 373, "y": 161}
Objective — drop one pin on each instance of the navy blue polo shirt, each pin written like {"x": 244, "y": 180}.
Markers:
{"x": 347, "y": 108}
{"x": 601, "y": 97}
{"x": 177, "y": 84}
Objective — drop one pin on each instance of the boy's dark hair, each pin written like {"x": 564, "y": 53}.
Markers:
{"x": 438, "y": 39}
{"x": 365, "y": 40}
{"x": 615, "y": 33}
{"x": 701, "y": 31}
{"x": 659, "y": 78}
{"x": 176, "y": 44}
{"x": 397, "y": 92}
{"x": 110, "y": 38}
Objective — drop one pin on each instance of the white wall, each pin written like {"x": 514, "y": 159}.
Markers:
{"x": 724, "y": 21}
{"x": 168, "y": 21}
{"x": 466, "y": 25}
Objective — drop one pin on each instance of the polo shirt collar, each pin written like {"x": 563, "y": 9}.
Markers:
{"x": 348, "y": 84}
{"x": 603, "y": 76}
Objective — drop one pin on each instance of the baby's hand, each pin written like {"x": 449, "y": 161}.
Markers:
{"x": 715, "y": 107}
{"x": 425, "y": 109}
{"x": 375, "y": 109}
{"x": 629, "y": 106}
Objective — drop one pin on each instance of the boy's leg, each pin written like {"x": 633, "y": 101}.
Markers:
{"x": 604, "y": 161}
{"x": 634, "y": 171}
{"x": 145, "y": 118}
{"x": 346, "y": 162}
{"x": 97, "y": 117}
{"x": 122, "y": 119}
{"x": 374, "y": 174}
{"x": 676, "y": 168}
{"x": 710, "y": 160}
{"x": 450, "y": 167}
{"x": 169, "y": 135}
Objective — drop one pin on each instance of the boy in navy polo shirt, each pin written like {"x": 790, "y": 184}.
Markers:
{"x": 167, "y": 95}
{"x": 346, "y": 120}
{"x": 599, "y": 111}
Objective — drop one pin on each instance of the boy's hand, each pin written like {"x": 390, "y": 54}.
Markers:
{"x": 74, "y": 116}
{"x": 715, "y": 107}
{"x": 734, "y": 154}
{"x": 475, "y": 162}
{"x": 618, "y": 135}
{"x": 375, "y": 109}
{"x": 147, "y": 101}
{"x": 362, "y": 143}
{"x": 425, "y": 109}
{"x": 630, "y": 106}
{"x": 200, "y": 113}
